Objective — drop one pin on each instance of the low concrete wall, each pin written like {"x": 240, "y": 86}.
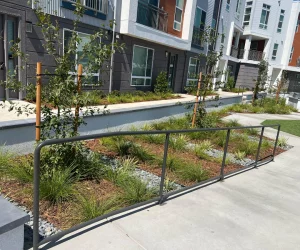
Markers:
{"x": 23, "y": 133}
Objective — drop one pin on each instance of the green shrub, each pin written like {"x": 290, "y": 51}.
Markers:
{"x": 193, "y": 172}
{"x": 140, "y": 153}
{"x": 92, "y": 208}
{"x": 266, "y": 144}
{"x": 282, "y": 142}
{"x": 201, "y": 153}
{"x": 249, "y": 147}
{"x": 162, "y": 86}
{"x": 155, "y": 139}
{"x": 58, "y": 185}
{"x": 178, "y": 142}
{"x": 232, "y": 123}
{"x": 220, "y": 137}
{"x": 169, "y": 185}
{"x": 251, "y": 131}
{"x": 118, "y": 144}
{"x": 239, "y": 155}
{"x": 205, "y": 145}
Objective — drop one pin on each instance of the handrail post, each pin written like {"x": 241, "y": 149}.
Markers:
{"x": 276, "y": 142}
{"x": 259, "y": 145}
{"x": 163, "y": 171}
{"x": 225, "y": 153}
{"x": 36, "y": 190}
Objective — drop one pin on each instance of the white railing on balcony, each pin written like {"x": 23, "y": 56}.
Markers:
{"x": 95, "y": 5}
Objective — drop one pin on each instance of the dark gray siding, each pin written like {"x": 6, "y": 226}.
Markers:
{"x": 247, "y": 75}
{"x": 294, "y": 82}
{"x": 123, "y": 64}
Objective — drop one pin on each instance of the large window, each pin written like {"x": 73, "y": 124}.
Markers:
{"x": 279, "y": 28}
{"x": 264, "y": 18}
{"x": 275, "y": 48}
{"x": 200, "y": 18}
{"x": 178, "y": 15}
{"x": 247, "y": 14}
{"x": 193, "y": 71}
{"x": 142, "y": 66}
{"x": 238, "y": 9}
{"x": 79, "y": 57}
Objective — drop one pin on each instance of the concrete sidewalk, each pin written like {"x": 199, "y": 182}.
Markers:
{"x": 258, "y": 209}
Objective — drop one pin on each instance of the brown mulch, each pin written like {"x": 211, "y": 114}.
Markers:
{"x": 63, "y": 215}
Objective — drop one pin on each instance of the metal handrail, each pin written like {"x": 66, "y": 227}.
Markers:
{"x": 157, "y": 200}
{"x": 197, "y": 36}
{"x": 152, "y": 16}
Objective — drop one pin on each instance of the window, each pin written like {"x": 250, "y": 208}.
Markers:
{"x": 193, "y": 71}
{"x": 96, "y": 5}
{"x": 275, "y": 48}
{"x": 291, "y": 54}
{"x": 227, "y": 5}
{"x": 200, "y": 18}
{"x": 297, "y": 76}
{"x": 238, "y": 9}
{"x": 264, "y": 18}
{"x": 247, "y": 14}
{"x": 142, "y": 66}
{"x": 178, "y": 15}
{"x": 79, "y": 57}
{"x": 214, "y": 23}
{"x": 279, "y": 28}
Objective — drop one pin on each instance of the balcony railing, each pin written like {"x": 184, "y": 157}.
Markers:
{"x": 95, "y": 5}
{"x": 152, "y": 16}
{"x": 241, "y": 54}
{"x": 197, "y": 37}
{"x": 234, "y": 52}
{"x": 255, "y": 55}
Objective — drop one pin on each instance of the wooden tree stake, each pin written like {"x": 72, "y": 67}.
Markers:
{"x": 79, "y": 83}
{"x": 197, "y": 99}
{"x": 38, "y": 101}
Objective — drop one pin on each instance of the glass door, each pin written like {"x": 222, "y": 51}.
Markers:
{"x": 171, "y": 70}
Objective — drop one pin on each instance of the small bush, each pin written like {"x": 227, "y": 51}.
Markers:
{"x": 140, "y": 153}
{"x": 282, "y": 142}
{"x": 168, "y": 185}
{"x": 266, "y": 144}
{"x": 251, "y": 131}
{"x": 58, "y": 186}
{"x": 249, "y": 147}
{"x": 92, "y": 208}
{"x": 205, "y": 145}
{"x": 232, "y": 123}
{"x": 220, "y": 138}
{"x": 118, "y": 145}
{"x": 155, "y": 139}
{"x": 239, "y": 155}
{"x": 178, "y": 142}
{"x": 193, "y": 172}
{"x": 162, "y": 86}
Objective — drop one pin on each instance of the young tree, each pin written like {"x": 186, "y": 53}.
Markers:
{"x": 61, "y": 94}
{"x": 281, "y": 83}
{"x": 261, "y": 78}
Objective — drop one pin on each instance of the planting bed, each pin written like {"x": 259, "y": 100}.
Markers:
{"x": 115, "y": 172}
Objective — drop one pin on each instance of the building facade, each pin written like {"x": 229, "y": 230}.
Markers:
{"x": 162, "y": 35}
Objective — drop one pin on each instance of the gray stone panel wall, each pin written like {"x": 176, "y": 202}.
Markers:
{"x": 247, "y": 75}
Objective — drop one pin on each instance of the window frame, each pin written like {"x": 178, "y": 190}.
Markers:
{"x": 282, "y": 14}
{"x": 142, "y": 77}
{"x": 197, "y": 65}
{"x": 275, "y": 50}
{"x": 249, "y": 5}
{"x": 197, "y": 7}
{"x": 238, "y": 9}
{"x": 267, "y": 9}
{"x": 76, "y": 56}
{"x": 175, "y": 21}
{"x": 291, "y": 54}
{"x": 228, "y": 2}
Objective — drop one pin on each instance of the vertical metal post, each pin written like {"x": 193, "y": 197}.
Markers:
{"x": 79, "y": 79}
{"x": 225, "y": 153}
{"x": 197, "y": 100}
{"x": 163, "y": 171}
{"x": 36, "y": 185}
{"x": 38, "y": 101}
{"x": 259, "y": 145}
{"x": 276, "y": 142}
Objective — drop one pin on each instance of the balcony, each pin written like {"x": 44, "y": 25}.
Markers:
{"x": 234, "y": 52}
{"x": 255, "y": 55}
{"x": 241, "y": 54}
{"x": 151, "y": 16}
{"x": 197, "y": 37}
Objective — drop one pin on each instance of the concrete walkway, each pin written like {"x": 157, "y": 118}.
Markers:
{"x": 7, "y": 116}
{"x": 258, "y": 209}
